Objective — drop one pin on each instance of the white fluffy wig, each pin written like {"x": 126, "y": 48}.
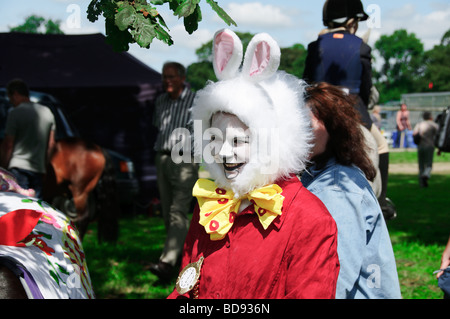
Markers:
{"x": 271, "y": 103}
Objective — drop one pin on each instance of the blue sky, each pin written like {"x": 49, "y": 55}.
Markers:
{"x": 288, "y": 21}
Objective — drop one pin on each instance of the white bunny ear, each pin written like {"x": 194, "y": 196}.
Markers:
{"x": 227, "y": 54}
{"x": 262, "y": 58}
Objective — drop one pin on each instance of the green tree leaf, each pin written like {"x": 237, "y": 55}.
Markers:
{"x": 144, "y": 32}
{"x": 125, "y": 17}
{"x": 191, "y": 21}
{"x": 158, "y": 2}
{"x": 221, "y": 13}
{"x": 186, "y": 8}
{"x": 119, "y": 40}
{"x": 163, "y": 35}
{"x": 161, "y": 21}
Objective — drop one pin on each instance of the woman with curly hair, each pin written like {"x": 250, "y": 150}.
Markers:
{"x": 338, "y": 175}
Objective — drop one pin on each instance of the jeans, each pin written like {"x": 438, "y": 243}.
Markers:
{"x": 28, "y": 179}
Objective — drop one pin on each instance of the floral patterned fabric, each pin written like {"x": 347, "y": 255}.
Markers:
{"x": 45, "y": 244}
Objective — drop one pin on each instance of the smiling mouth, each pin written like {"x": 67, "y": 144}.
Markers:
{"x": 232, "y": 166}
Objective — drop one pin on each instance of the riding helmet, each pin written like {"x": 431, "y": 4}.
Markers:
{"x": 339, "y": 11}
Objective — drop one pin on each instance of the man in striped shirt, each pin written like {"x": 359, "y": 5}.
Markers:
{"x": 175, "y": 179}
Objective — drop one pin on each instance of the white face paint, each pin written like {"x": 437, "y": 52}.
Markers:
{"x": 231, "y": 145}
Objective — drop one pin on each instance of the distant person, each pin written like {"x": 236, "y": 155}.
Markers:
{"x": 427, "y": 129}
{"x": 29, "y": 138}
{"x": 376, "y": 117}
{"x": 175, "y": 181}
{"x": 445, "y": 259}
{"x": 341, "y": 58}
{"x": 4, "y": 107}
{"x": 443, "y": 274}
{"x": 403, "y": 125}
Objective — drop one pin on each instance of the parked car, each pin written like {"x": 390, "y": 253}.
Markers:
{"x": 126, "y": 180}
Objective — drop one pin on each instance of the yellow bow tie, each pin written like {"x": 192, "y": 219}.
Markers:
{"x": 218, "y": 207}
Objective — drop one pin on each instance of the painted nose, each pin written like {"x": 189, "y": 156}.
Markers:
{"x": 226, "y": 152}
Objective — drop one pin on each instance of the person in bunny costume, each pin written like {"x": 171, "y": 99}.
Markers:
{"x": 256, "y": 231}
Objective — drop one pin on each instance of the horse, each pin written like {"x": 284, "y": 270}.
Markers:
{"x": 82, "y": 172}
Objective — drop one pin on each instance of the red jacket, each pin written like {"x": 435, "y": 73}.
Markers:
{"x": 295, "y": 257}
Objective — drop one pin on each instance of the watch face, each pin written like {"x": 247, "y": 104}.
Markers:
{"x": 188, "y": 277}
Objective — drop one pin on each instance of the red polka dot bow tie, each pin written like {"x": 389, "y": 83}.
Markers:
{"x": 218, "y": 207}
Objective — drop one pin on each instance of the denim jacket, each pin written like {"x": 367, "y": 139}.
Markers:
{"x": 368, "y": 268}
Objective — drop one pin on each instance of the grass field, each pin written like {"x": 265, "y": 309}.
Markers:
{"x": 409, "y": 156}
{"x": 418, "y": 235}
